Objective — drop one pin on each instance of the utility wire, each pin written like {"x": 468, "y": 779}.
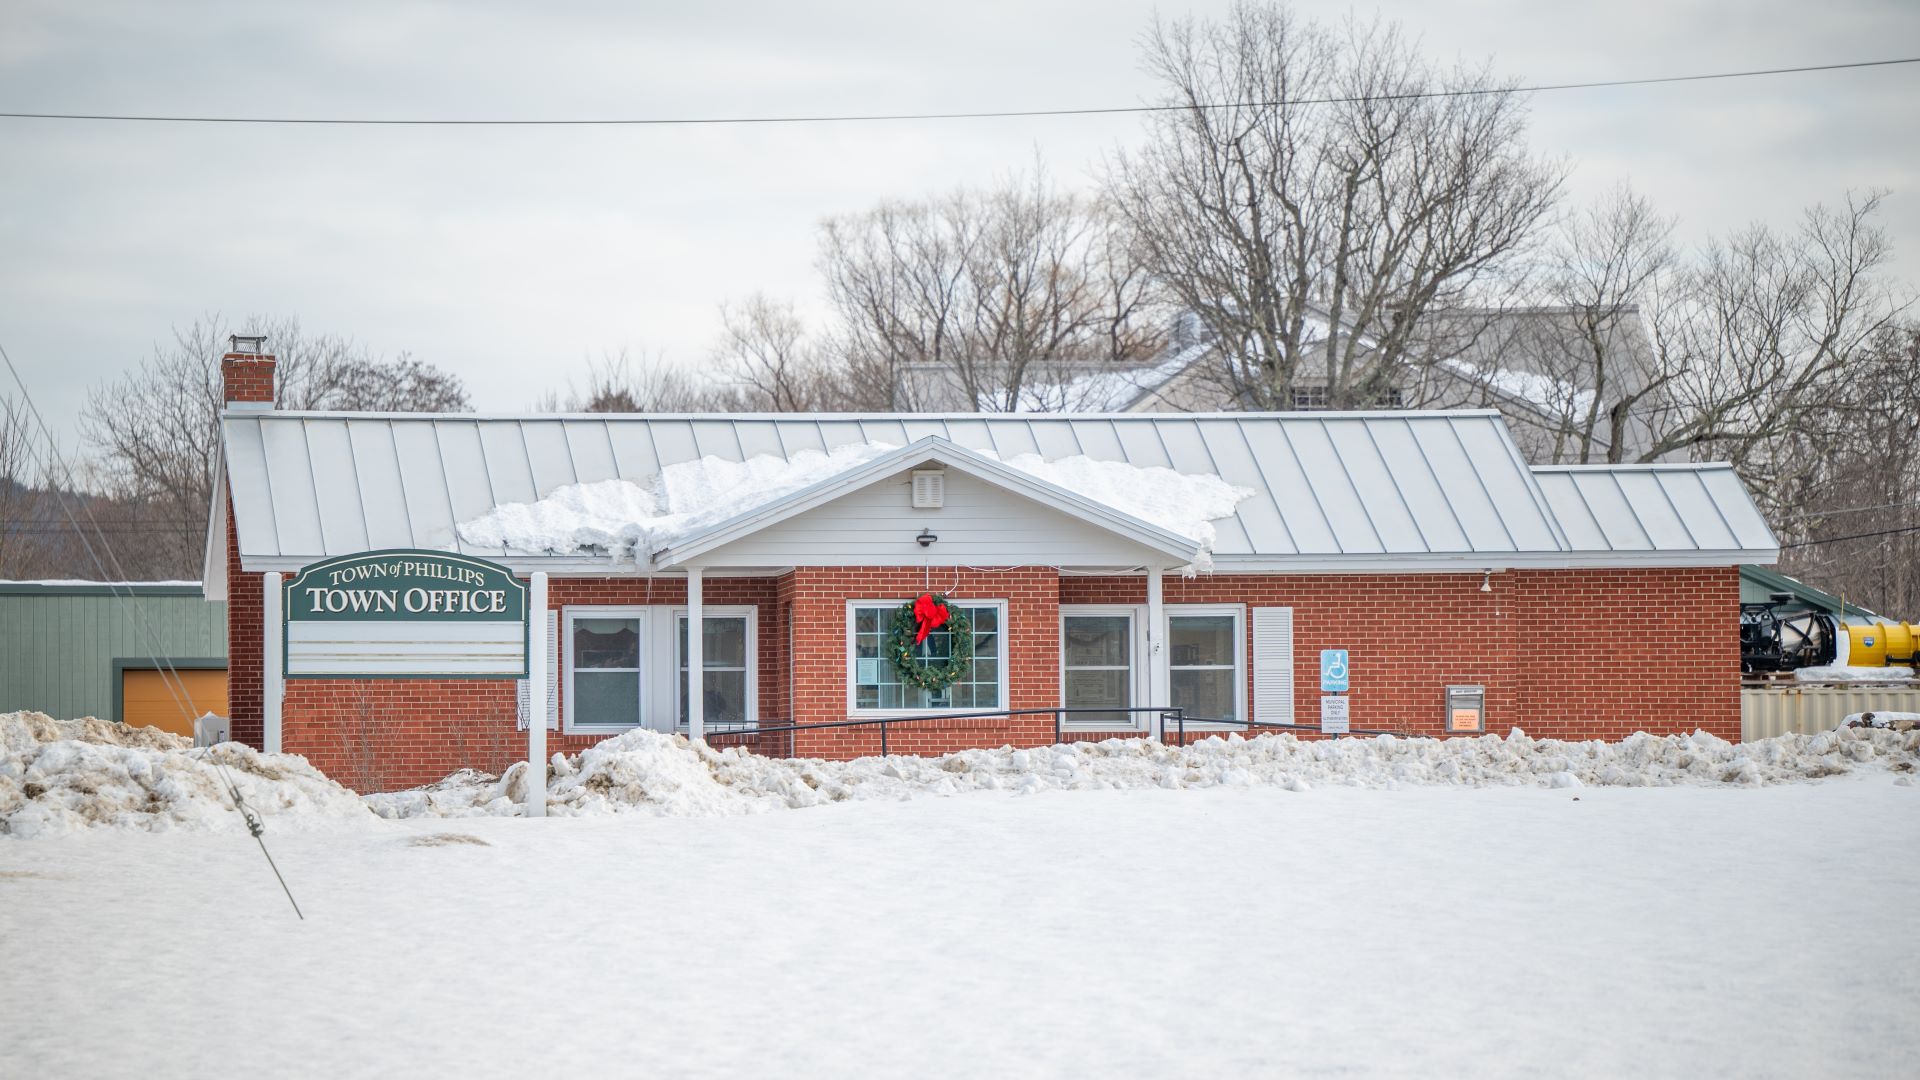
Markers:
{"x": 171, "y": 679}
{"x": 845, "y": 118}
{"x": 1855, "y": 536}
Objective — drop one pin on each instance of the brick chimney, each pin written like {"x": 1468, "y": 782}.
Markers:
{"x": 246, "y": 373}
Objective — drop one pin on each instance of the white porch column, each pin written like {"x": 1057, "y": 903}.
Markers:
{"x": 538, "y": 687}
{"x": 696, "y": 657}
{"x": 1156, "y": 645}
{"x": 273, "y": 678}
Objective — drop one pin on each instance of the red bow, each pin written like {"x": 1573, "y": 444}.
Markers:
{"x": 930, "y": 614}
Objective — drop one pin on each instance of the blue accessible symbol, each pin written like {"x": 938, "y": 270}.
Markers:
{"x": 1333, "y": 671}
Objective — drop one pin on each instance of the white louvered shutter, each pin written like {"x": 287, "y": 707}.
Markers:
{"x": 553, "y": 680}
{"x": 1273, "y": 665}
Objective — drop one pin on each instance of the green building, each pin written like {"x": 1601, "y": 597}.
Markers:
{"x": 80, "y": 648}
{"x": 1759, "y": 584}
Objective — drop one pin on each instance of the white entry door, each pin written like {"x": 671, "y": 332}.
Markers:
{"x": 1102, "y": 651}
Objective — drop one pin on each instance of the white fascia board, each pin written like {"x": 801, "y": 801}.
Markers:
{"x": 1357, "y": 414}
{"x": 213, "y": 564}
{"x": 1639, "y": 467}
{"x": 570, "y": 566}
{"x": 1466, "y": 562}
{"x": 933, "y": 448}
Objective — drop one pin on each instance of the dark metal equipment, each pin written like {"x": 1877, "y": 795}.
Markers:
{"x": 1770, "y": 641}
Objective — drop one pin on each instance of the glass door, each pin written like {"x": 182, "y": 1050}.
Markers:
{"x": 1096, "y": 667}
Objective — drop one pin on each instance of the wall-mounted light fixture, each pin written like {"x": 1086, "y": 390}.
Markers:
{"x": 1486, "y": 580}
{"x": 926, "y": 538}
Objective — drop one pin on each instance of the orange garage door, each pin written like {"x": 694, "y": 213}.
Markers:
{"x": 148, "y": 698}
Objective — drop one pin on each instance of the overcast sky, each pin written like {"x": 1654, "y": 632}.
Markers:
{"x": 509, "y": 256}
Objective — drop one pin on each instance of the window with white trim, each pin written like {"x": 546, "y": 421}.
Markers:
{"x": 604, "y": 660}
{"x": 625, "y": 667}
{"x": 726, "y": 652}
{"x": 874, "y": 685}
{"x": 1098, "y": 647}
{"x": 1205, "y": 661}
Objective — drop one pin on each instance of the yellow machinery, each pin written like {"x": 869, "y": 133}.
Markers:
{"x": 1877, "y": 644}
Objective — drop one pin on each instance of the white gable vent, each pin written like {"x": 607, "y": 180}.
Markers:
{"x": 929, "y": 489}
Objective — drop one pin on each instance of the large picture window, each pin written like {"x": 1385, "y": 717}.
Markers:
{"x": 626, "y": 667}
{"x": 1204, "y": 662}
{"x": 876, "y": 685}
{"x": 604, "y": 662}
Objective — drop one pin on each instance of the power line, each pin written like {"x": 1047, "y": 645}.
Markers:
{"x": 845, "y": 118}
{"x": 175, "y": 685}
{"x": 1854, "y": 536}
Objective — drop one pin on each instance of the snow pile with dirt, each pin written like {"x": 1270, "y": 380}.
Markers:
{"x": 1898, "y": 721}
{"x": 1843, "y": 673}
{"x": 68, "y": 775}
{"x": 650, "y": 772}
{"x": 630, "y": 521}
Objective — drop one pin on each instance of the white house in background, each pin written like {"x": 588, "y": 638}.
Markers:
{"x": 1535, "y": 366}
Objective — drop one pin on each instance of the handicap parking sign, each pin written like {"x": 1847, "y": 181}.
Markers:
{"x": 1333, "y": 671}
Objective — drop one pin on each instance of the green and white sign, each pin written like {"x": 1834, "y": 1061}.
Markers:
{"x": 405, "y": 614}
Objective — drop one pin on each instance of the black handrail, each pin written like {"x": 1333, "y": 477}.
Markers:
{"x": 885, "y": 722}
{"x": 1314, "y": 728}
{"x": 1175, "y": 714}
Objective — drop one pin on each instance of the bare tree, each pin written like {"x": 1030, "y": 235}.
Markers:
{"x": 1757, "y": 334}
{"x": 1848, "y": 500}
{"x": 981, "y": 296}
{"x": 1311, "y": 204}
{"x": 1575, "y": 369}
{"x": 18, "y": 475}
{"x": 765, "y": 348}
{"x": 156, "y": 428}
{"x": 617, "y": 384}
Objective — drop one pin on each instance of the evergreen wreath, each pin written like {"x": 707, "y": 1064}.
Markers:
{"x": 905, "y": 638}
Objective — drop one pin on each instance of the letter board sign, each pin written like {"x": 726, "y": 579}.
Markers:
{"x": 405, "y": 615}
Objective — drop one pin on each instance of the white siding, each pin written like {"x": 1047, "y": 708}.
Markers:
{"x": 554, "y": 679}
{"x": 1273, "y": 665}
{"x": 980, "y": 525}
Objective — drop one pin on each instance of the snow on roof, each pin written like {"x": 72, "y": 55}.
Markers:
{"x": 1105, "y": 390}
{"x": 1342, "y": 490}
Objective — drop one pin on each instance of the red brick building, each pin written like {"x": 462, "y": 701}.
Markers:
{"x": 1585, "y": 602}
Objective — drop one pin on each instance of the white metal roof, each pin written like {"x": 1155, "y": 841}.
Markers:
{"x": 1657, "y": 508}
{"x": 1333, "y": 490}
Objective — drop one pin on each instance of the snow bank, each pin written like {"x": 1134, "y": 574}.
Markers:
{"x": 630, "y": 521}
{"x": 68, "y": 775}
{"x": 1841, "y": 673}
{"x": 649, "y": 772}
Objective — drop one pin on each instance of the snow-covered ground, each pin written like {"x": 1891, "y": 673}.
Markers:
{"x": 1493, "y": 906}
{"x": 1513, "y": 931}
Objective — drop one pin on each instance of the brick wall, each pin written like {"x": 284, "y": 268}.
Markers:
{"x": 244, "y": 377}
{"x": 1562, "y": 653}
{"x": 1030, "y": 645}
{"x": 381, "y": 734}
{"x": 245, "y": 656}
{"x": 247, "y": 377}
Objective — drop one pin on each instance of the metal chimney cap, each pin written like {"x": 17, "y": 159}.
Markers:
{"x": 253, "y": 344}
